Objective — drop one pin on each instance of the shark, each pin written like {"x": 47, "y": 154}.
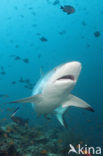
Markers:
{"x": 52, "y": 93}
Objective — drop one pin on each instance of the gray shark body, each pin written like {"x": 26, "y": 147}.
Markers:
{"x": 53, "y": 92}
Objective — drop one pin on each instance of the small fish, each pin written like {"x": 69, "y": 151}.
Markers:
{"x": 68, "y": 9}
{"x": 21, "y": 80}
{"x": 3, "y": 73}
{"x": 19, "y": 120}
{"x": 15, "y": 111}
{"x": 97, "y": 34}
{"x": 26, "y": 60}
{"x": 17, "y": 58}
{"x": 13, "y": 82}
{"x": 43, "y": 39}
{"x": 56, "y": 2}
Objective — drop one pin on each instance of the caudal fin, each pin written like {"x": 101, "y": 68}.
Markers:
{"x": 60, "y": 115}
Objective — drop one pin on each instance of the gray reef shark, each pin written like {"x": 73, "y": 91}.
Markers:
{"x": 53, "y": 92}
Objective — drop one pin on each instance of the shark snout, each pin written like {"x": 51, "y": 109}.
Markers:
{"x": 73, "y": 69}
{"x": 67, "y": 75}
{"x": 76, "y": 64}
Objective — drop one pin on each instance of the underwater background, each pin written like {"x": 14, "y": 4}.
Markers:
{"x": 36, "y": 36}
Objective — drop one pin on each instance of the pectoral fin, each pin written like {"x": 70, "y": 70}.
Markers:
{"x": 31, "y": 99}
{"x": 77, "y": 102}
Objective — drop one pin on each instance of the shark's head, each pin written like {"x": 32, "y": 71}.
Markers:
{"x": 64, "y": 77}
{"x": 67, "y": 72}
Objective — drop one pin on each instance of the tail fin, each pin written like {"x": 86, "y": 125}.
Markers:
{"x": 60, "y": 115}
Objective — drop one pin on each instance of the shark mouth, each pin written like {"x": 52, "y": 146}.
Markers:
{"x": 67, "y": 77}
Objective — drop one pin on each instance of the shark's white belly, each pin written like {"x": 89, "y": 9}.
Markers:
{"x": 47, "y": 104}
{"x": 51, "y": 99}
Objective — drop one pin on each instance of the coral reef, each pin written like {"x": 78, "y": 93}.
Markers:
{"x": 23, "y": 140}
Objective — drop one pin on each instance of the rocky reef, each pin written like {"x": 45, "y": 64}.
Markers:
{"x": 18, "y": 138}
{"x": 23, "y": 140}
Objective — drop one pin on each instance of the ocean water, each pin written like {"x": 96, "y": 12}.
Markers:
{"x": 36, "y": 36}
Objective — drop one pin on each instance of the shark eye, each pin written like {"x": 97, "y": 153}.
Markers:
{"x": 70, "y": 77}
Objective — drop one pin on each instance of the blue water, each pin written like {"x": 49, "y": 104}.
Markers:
{"x": 69, "y": 38}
